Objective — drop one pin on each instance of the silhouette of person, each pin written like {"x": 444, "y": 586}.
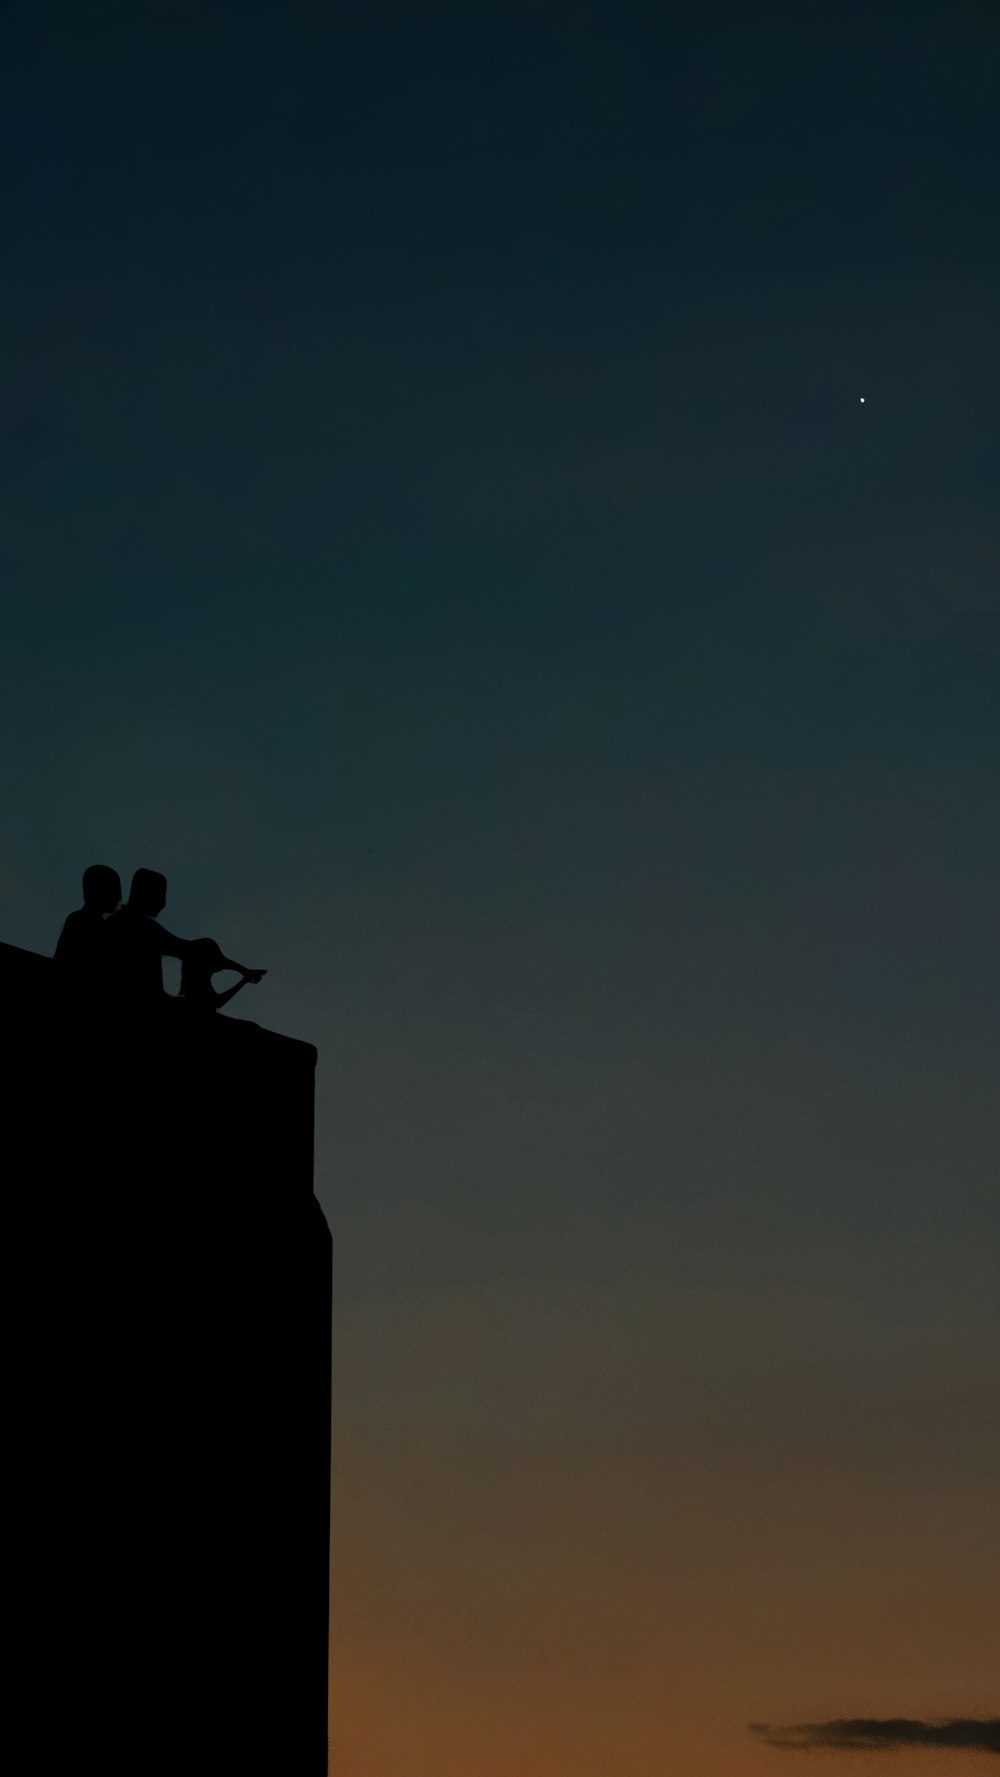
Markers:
{"x": 202, "y": 959}
{"x": 81, "y": 949}
{"x": 137, "y": 942}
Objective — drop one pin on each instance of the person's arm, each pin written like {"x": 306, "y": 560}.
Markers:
{"x": 248, "y": 974}
{"x": 169, "y": 945}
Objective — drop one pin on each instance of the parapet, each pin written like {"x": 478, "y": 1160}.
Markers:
{"x": 170, "y": 1277}
{"x": 169, "y": 1096}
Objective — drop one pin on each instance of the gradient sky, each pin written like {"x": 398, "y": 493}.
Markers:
{"x": 440, "y": 528}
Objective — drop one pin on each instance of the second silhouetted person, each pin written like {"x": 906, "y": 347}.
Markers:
{"x": 137, "y": 943}
{"x": 82, "y": 950}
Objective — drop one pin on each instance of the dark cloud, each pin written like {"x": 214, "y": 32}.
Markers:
{"x": 861, "y": 1734}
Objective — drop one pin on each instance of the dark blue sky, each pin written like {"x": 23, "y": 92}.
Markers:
{"x": 439, "y": 527}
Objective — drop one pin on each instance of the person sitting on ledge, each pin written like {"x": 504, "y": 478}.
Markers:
{"x": 137, "y": 942}
{"x": 202, "y": 959}
{"x": 81, "y": 951}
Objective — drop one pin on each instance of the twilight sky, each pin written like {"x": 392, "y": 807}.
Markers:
{"x": 439, "y": 527}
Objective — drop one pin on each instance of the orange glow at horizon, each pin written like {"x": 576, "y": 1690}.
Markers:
{"x": 568, "y": 1613}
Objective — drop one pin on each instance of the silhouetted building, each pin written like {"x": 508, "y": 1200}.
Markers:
{"x": 169, "y": 1276}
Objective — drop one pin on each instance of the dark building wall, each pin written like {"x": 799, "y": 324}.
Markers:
{"x": 169, "y": 1276}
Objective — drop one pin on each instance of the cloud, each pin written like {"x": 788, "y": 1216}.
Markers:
{"x": 862, "y": 1734}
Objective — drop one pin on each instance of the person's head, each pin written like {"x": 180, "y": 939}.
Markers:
{"x": 148, "y": 893}
{"x": 102, "y": 888}
{"x": 200, "y": 961}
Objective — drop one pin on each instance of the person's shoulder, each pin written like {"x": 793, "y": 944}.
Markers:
{"x": 82, "y": 936}
{"x": 78, "y": 924}
{"x": 71, "y": 927}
